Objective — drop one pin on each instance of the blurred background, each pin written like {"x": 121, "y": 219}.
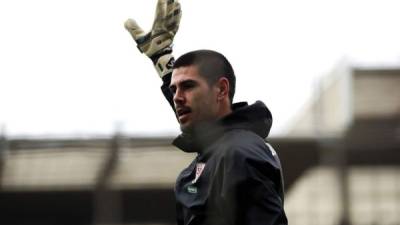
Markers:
{"x": 85, "y": 133}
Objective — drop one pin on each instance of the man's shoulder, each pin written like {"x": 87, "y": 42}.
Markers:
{"x": 240, "y": 139}
{"x": 243, "y": 146}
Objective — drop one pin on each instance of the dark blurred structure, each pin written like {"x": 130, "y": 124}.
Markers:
{"x": 354, "y": 119}
{"x": 341, "y": 165}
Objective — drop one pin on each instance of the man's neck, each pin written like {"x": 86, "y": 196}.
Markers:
{"x": 225, "y": 110}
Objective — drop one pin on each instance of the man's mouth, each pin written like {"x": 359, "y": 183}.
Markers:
{"x": 182, "y": 113}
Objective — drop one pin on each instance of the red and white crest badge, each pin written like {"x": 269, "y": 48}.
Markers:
{"x": 199, "y": 170}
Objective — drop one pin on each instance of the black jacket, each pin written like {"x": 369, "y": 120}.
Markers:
{"x": 236, "y": 179}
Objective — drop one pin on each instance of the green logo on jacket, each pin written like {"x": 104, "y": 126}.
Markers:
{"x": 192, "y": 190}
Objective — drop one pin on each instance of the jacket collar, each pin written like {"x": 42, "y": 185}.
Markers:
{"x": 256, "y": 118}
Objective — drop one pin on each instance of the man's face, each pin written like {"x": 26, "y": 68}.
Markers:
{"x": 195, "y": 101}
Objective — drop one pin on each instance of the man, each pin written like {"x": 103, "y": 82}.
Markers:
{"x": 236, "y": 178}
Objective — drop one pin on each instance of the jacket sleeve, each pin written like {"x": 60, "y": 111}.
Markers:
{"x": 263, "y": 203}
{"x": 166, "y": 91}
{"x": 252, "y": 189}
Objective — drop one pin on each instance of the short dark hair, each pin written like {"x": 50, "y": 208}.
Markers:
{"x": 211, "y": 65}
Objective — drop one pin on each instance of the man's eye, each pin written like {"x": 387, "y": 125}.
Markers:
{"x": 188, "y": 86}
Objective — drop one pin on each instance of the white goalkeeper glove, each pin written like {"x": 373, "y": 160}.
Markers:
{"x": 157, "y": 43}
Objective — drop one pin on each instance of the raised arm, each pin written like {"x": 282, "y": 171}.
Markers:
{"x": 157, "y": 43}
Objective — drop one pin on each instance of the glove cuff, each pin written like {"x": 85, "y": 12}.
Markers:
{"x": 164, "y": 64}
{"x": 162, "y": 52}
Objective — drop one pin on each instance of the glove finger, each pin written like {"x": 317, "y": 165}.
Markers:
{"x": 173, "y": 19}
{"x": 161, "y": 12}
{"x": 171, "y": 4}
{"x": 134, "y": 29}
{"x": 173, "y": 10}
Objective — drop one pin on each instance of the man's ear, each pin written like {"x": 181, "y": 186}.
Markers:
{"x": 223, "y": 88}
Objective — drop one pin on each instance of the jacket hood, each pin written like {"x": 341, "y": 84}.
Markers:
{"x": 256, "y": 118}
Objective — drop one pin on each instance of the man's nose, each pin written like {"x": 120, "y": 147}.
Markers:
{"x": 179, "y": 98}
